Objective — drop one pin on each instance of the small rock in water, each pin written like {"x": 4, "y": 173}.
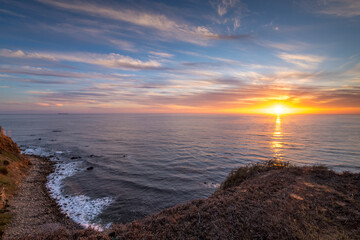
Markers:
{"x": 39, "y": 139}
{"x": 77, "y": 157}
{"x": 90, "y": 168}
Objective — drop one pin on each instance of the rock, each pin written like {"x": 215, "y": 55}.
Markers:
{"x": 77, "y": 157}
{"x": 90, "y": 168}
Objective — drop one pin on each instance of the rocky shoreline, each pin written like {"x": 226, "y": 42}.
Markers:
{"x": 33, "y": 210}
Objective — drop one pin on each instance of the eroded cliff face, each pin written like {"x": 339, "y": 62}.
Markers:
{"x": 13, "y": 167}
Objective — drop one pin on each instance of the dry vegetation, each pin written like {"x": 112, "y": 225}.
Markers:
{"x": 263, "y": 201}
{"x": 12, "y": 170}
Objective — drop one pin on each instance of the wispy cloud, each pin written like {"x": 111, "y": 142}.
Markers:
{"x": 161, "y": 54}
{"x": 124, "y": 45}
{"x": 11, "y": 13}
{"x": 25, "y": 70}
{"x": 168, "y": 27}
{"x": 229, "y": 11}
{"x": 285, "y": 46}
{"x": 22, "y": 54}
{"x": 341, "y": 8}
{"x": 112, "y": 60}
{"x": 302, "y": 61}
{"x": 222, "y": 6}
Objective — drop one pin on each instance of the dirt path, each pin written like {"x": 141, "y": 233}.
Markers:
{"x": 33, "y": 209}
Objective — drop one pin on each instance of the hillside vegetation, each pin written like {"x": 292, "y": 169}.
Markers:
{"x": 270, "y": 200}
{"x": 13, "y": 167}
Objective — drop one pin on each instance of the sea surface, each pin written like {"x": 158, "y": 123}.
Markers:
{"x": 114, "y": 168}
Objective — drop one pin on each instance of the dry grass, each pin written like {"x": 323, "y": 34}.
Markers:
{"x": 12, "y": 169}
{"x": 264, "y": 201}
{"x": 241, "y": 174}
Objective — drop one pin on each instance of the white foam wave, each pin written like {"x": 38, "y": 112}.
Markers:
{"x": 211, "y": 185}
{"x": 38, "y": 151}
{"x": 82, "y": 209}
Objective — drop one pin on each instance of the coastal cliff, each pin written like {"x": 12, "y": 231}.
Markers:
{"x": 13, "y": 168}
{"x": 264, "y": 201}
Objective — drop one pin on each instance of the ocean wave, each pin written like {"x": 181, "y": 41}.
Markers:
{"x": 38, "y": 151}
{"x": 80, "y": 208}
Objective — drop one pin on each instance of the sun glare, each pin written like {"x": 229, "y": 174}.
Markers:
{"x": 278, "y": 110}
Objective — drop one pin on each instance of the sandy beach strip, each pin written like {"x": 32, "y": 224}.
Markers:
{"x": 33, "y": 210}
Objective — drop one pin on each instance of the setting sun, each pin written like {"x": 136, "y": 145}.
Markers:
{"x": 278, "y": 110}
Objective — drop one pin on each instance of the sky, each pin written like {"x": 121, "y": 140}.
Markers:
{"x": 189, "y": 56}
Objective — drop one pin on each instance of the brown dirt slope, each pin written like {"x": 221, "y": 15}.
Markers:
{"x": 268, "y": 201}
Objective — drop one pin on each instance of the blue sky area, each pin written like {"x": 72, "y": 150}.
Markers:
{"x": 217, "y": 56}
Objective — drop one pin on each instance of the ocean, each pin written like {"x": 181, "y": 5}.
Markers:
{"x": 115, "y": 168}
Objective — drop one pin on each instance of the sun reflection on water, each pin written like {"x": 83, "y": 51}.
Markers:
{"x": 277, "y": 139}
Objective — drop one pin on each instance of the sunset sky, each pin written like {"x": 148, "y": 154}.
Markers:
{"x": 190, "y": 56}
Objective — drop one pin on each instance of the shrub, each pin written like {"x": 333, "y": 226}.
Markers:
{"x": 239, "y": 175}
{"x": 3, "y": 170}
{"x": 6, "y": 162}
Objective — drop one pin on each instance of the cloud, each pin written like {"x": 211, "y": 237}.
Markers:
{"x": 222, "y": 6}
{"x": 21, "y": 54}
{"x": 124, "y": 45}
{"x": 161, "y": 54}
{"x": 25, "y": 70}
{"x": 160, "y": 22}
{"x": 302, "y": 61}
{"x": 289, "y": 46}
{"x": 341, "y": 8}
{"x": 11, "y": 13}
{"x": 112, "y": 60}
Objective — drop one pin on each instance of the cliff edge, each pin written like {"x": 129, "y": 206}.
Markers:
{"x": 264, "y": 201}
{"x": 13, "y": 168}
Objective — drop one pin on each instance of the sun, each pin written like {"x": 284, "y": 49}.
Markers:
{"x": 278, "y": 110}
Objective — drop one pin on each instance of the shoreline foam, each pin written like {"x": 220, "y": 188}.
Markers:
{"x": 80, "y": 208}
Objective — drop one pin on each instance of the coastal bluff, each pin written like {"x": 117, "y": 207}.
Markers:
{"x": 13, "y": 168}
{"x": 268, "y": 200}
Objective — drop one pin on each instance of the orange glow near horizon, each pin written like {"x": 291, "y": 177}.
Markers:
{"x": 281, "y": 109}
